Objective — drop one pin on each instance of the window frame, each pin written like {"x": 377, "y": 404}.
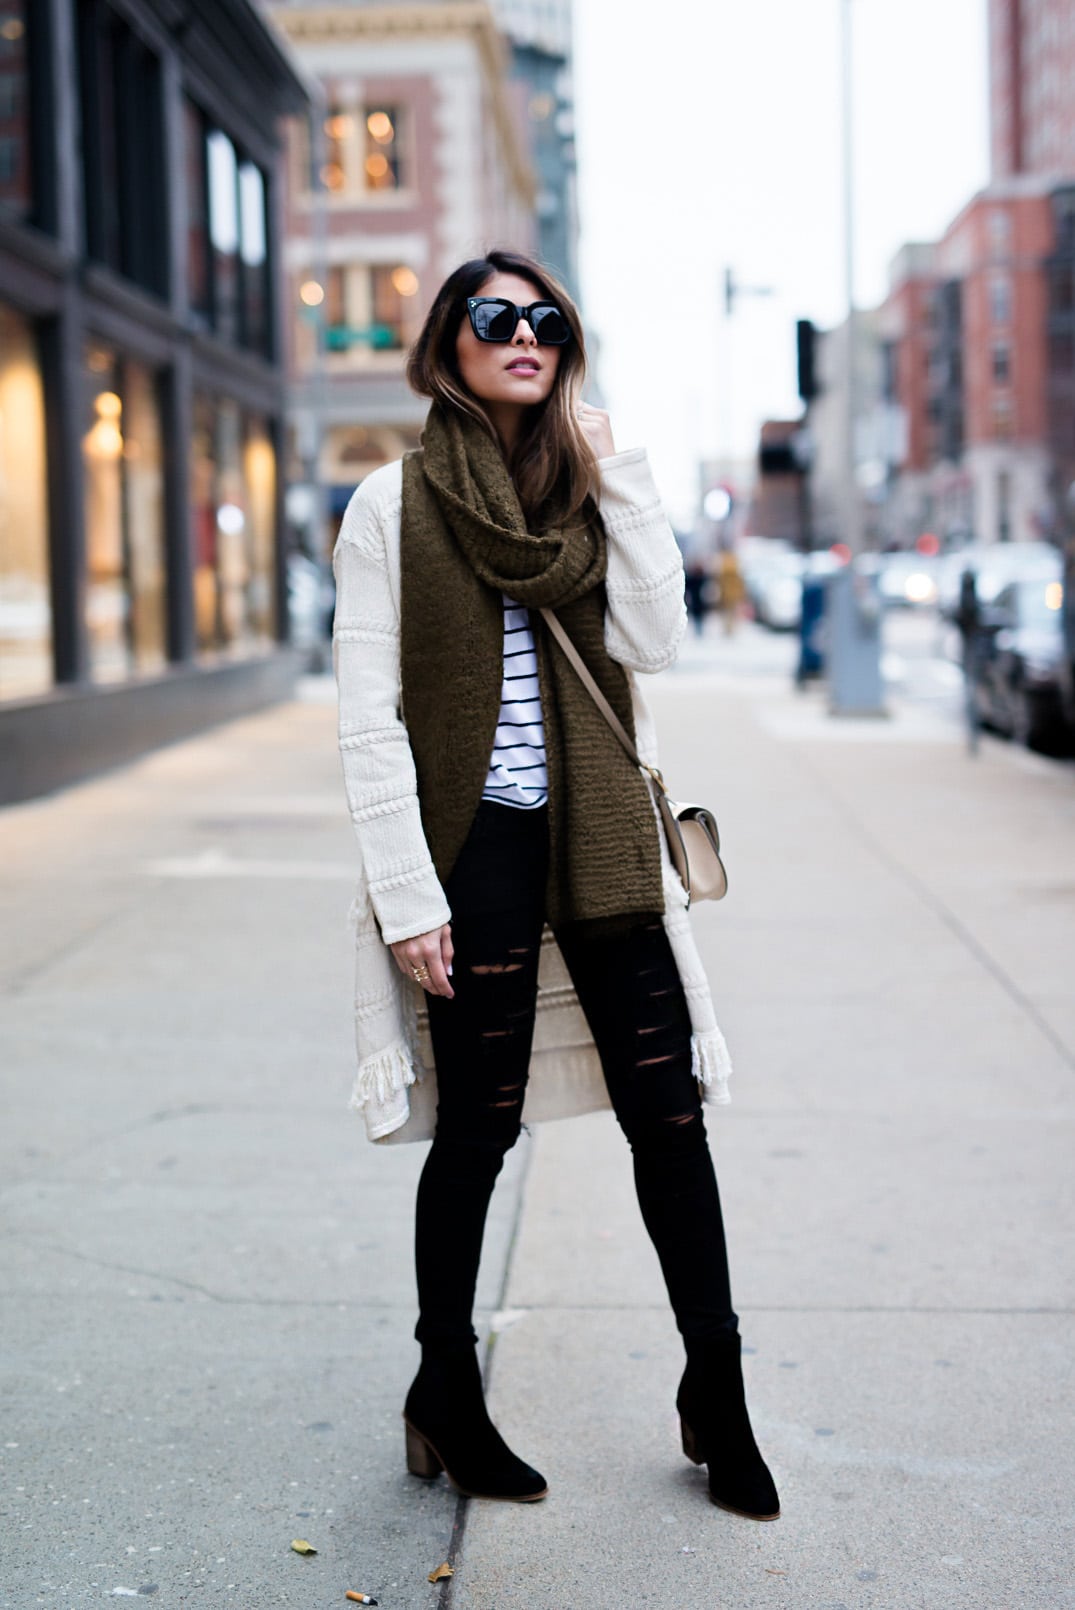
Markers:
{"x": 121, "y": 108}
{"x": 257, "y": 337}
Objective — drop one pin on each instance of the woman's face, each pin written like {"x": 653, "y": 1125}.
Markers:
{"x": 515, "y": 371}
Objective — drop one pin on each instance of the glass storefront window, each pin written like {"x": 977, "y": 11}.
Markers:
{"x": 253, "y": 257}
{"x": 203, "y": 515}
{"x": 16, "y": 170}
{"x": 227, "y": 236}
{"x": 122, "y": 147}
{"x": 197, "y": 210}
{"x": 25, "y": 606}
{"x": 259, "y": 478}
{"x": 143, "y": 507}
{"x": 224, "y": 234}
{"x": 233, "y": 498}
{"x": 233, "y": 569}
{"x": 122, "y": 460}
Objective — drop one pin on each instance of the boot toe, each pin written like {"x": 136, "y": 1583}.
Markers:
{"x": 749, "y": 1493}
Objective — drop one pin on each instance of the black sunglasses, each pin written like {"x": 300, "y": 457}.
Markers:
{"x": 492, "y": 318}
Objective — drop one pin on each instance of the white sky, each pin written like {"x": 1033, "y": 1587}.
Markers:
{"x": 709, "y": 133}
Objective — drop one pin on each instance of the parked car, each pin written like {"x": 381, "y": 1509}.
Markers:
{"x": 778, "y": 593}
{"x": 311, "y": 597}
{"x": 1020, "y": 659}
{"x": 908, "y": 580}
{"x": 1067, "y": 611}
{"x": 995, "y": 564}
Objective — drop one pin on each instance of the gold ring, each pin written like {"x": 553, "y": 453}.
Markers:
{"x": 419, "y": 973}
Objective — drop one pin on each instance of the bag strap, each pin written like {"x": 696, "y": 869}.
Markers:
{"x": 557, "y": 630}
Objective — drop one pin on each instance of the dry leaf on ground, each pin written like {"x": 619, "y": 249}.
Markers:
{"x": 442, "y": 1572}
{"x": 301, "y": 1546}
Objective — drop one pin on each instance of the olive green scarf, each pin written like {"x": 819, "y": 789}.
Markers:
{"x": 464, "y": 543}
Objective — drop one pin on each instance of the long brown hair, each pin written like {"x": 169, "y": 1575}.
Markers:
{"x": 553, "y": 466}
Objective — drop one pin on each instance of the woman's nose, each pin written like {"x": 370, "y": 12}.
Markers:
{"x": 524, "y": 335}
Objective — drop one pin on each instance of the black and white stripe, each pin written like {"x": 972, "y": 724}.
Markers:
{"x": 517, "y": 770}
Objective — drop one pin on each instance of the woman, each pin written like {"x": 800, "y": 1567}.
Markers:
{"x": 491, "y": 802}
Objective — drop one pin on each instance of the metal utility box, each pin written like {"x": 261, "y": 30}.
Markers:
{"x": 855, "y": 616}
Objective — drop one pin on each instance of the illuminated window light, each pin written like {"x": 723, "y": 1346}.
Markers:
{"x": 380, "y": 127}
{"x": 108, "y": 405}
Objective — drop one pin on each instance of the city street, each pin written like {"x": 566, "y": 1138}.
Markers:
{"x": 208, "y": 1295}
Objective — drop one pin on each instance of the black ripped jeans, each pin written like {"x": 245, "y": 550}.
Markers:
{"x": 629, "y": 988}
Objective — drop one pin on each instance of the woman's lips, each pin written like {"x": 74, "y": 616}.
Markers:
{"x": 524, "y": 366}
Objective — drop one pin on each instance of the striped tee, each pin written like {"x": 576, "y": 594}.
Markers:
{"x": 517, "y": 772}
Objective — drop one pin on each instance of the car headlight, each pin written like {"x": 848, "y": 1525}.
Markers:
{"x": 920, "y": 588}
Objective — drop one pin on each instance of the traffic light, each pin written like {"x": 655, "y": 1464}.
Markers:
{"x": 806, "y": 342}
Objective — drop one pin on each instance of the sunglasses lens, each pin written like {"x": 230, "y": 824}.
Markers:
{"x": 549, "y": 325}
{"x": 494, "y": 321}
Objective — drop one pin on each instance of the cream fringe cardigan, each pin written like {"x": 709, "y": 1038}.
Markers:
{"x": 398, "y": 893}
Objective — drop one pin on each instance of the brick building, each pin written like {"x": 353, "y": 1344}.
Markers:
{"x": 980, "y": 327}
{"x": 1032, "y": 87}
{"x": 416, "y": 160}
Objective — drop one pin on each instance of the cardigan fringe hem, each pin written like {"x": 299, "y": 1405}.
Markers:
{"x": 711, "y": 1065}
{"x": 382, "y": 1079}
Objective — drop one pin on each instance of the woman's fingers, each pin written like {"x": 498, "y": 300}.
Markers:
{"x": 447, "y": 949}
{"x": 422, "y": 959}
{"x": 597, "y": 429}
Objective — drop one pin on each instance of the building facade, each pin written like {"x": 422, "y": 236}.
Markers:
{"x": 980, "y": 327}
{"x": 977, "y": 364}
{"x": 141, "y": 377}
{"x": 540, "y": 36}
{"x": 415, "y": 161}
{"x": 1032, "y": 87}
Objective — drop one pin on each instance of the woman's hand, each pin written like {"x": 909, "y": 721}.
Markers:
{"x": 429, "y": 955}
{"x": 597, "y": 430}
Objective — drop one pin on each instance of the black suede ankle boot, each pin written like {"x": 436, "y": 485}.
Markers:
{"x": 716, "y": 1430}
{"x": 449, "y": 1429}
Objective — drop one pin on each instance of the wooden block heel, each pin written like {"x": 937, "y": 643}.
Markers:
{"x": 422, "y": 1459}
{"x": 449, "y": 1429}
{"x": 690, "y": 1443}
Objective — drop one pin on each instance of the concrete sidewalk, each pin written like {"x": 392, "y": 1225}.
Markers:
{"x": 206, "y": 1269}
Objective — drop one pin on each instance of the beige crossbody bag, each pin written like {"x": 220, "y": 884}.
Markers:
{"x": 691, "y": 830}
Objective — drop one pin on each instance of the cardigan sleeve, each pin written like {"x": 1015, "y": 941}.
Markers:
{"x": 378, "y": 766}
{"x": 646, "y": 615}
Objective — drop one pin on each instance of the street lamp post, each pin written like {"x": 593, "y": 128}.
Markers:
{"x": 853, "y": 512}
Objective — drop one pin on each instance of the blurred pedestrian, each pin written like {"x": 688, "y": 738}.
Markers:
{"x": 696, "y": 582}
{"x": 489, "y": 799}
{"x": 968, "y": 616}
{"x": 731, "y": 589}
